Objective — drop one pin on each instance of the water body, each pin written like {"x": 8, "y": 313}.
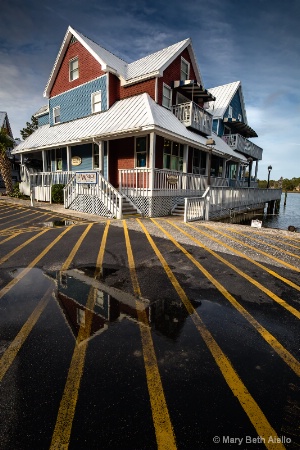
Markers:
{"x": 288, "y": 215}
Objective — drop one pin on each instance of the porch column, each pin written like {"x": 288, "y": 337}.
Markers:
{"x": 101, "y": 156}
{"x": 185, "y": 158}
{"x": 152, "y": 142}
{"x": 44, "y": 161}
{"x": 69, "y": 167}
{"x": 256, "y": 169}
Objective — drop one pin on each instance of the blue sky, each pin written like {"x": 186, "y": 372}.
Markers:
{"x": 254, "y": 41}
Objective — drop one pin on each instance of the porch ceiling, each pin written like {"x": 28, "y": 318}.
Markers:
{"x": 239, "y": 127}
{"x": 194, "y": 89}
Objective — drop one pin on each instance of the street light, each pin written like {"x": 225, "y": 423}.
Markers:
{"x": 269, "y": 171}
{"x": 209, "y": 143}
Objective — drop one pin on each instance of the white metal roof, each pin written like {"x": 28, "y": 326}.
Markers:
{"x": 224, "y": 94}
{"x": 128, "y": 116}
{"x": 153, "y": 64}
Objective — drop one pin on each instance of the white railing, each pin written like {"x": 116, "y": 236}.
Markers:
{"x": 103, "y": 190}
{"x": 195, "y": 208}
{"x": 243, "y": 145}
{"x": 163, "y": 182}
{"x": 225, "y": 200}
{"x": 192, "y": 115}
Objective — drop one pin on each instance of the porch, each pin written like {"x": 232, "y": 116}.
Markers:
{"x": 243, "y": 145}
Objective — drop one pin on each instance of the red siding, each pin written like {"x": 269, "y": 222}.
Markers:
{"x": 139, "y": 88}
{"x": 121, "y": 156}
{"x": 89, "y": 69}
{"x": 172, "y": 73}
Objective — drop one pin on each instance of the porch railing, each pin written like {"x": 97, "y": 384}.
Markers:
{"x": 103, "y": 190}
{"x": 196, "y": 208}
{"x": 163, "y": 182}
{"x": 243, "y": 145}
{"x": 191, "y": 115}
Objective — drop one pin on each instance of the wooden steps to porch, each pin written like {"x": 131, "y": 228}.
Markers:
{"x": 178, "y": 209}
{"x": 128, "y": 209}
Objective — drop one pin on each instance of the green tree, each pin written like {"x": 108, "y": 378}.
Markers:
{"x": 5, "y": 164}
{"x": 30, "y": 128}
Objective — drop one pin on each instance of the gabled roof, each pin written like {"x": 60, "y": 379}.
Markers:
{"x": 4, "y": 121}
{"x": 132, "y": 115}
{"x": 149, "y": 66}
{"x": 224, "y": 94}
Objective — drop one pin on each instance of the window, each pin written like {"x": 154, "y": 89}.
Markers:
{"x": 230, "y": 111}
{"x": 167, "y": 96}
{"x": 73, "y": 69}
{"x": 199, "y": 161}
{"x": 173, "y": 155}
{"x": 56, "y": 114}
{"x": 141, "y": 152}
{"x": 239, "y": 117}
{"x": 95, "y": 156}
{"x": 185, "y": 70}
{"x": 96, "y": 101}
{"x": 59, "y": 159}
{"x": 80, "y": 317}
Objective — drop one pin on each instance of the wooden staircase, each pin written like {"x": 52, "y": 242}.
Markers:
{"x": 178, "y": 209}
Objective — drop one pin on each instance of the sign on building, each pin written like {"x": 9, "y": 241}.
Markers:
{"x": 86, "y": 177}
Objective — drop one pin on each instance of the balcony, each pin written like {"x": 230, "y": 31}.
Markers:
{"x": 243, "y": 145}
{"x": 191, "y": 115}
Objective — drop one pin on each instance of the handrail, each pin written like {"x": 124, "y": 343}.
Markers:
{"x": 196, "y": 208}
{"x": 103, "y": 190}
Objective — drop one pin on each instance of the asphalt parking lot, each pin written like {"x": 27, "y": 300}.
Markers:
{"x": 145, "y": 334}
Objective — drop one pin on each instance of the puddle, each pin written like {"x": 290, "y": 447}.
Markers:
{"x": 58, "y": 223}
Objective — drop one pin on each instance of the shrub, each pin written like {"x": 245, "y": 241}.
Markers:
{"x": 57, "y": 193}
{"x": 16, "y": 192}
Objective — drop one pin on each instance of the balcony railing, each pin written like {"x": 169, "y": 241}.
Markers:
{"x": 191, "y": 115}
{"x": 243, "y": 145}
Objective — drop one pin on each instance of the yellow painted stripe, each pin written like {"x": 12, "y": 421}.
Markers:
{"x": 264, "y": 242}
{"x": 243, "y": 255}
{"x": 267, "y": 291}
{"x": 17, "y": 214}
{"x": 267, "y": 236}
{"x": 76, "y": 247}
{"x": 64, "y": 421}
{"x": 24, "y": 272}
{"x": 10, "y": 237}
{"x": 23, "y": 223}
{"x": 162, "y": 423}
{"x": 17, "y": 249}
{"x": 288, "y": 358}
{"x": 280, "y": 261}
{"x": 12, "y": 351}
{"x": 251, "y": 408}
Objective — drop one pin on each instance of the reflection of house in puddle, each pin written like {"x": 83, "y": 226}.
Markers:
{"x": 84, "y": 298}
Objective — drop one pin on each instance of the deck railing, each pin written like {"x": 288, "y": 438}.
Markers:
{"x": 163, "y": 182}
{"x": 192, "y": 115}
{"x": 243, "y": 145}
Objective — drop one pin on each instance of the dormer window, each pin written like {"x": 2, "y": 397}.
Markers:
{"x": 96, "y": 102}
{"x": 73, "y": 69}
{"x": 230, "y": 112}
{"x": 56, "y": 114}
{"x": 185, "y": 70}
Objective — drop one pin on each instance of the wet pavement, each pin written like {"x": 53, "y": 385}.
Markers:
{"x": 145, "y": 334}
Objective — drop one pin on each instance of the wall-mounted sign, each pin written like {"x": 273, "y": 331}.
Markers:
{"x": 172, "y": 179}
{"x": 76, "y": 160}
{"x": 86, "y": 177}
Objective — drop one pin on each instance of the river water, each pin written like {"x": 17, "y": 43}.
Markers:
{"x": 288, "y": 215}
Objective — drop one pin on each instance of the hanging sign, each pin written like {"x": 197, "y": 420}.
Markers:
{"x": 172, "y": 179}
{"x": 86, "y": 177}
{"x": 76, "y": 160}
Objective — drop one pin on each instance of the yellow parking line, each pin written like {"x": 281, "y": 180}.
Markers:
{"x": 264, "y": 242}
{"x": 239, "y": 390}
{"x": 267, "y": 236}
{"x": 66, "y": 412}
{"x": 17, "y": 249}
{"x": 270, "y": 294}
{"x": 162, "y": 423}
{"x": 243, "y": 255}
{"x": 268, "y": 337}
{"x": 76, "y": 247}
{"x": 12, "y": 351}
{"x": 24, "y": 272}
{"x": 254, "y": 248}
{"x": 10, "y": 237}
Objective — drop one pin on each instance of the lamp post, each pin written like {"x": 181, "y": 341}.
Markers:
{"x": 209, "y": 143}
{"x": 269, "y": 171}
{"x": 250, "y": 161}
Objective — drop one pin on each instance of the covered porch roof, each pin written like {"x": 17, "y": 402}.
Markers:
{"x": 239, "y": 127}
{"x": 134, "y": 115}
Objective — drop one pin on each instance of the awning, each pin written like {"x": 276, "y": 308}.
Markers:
{"x": 238, "y": 127}
{"x": 194, "y": 89}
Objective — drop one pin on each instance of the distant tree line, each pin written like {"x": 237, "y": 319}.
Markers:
{"x": 284, "y": 183}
